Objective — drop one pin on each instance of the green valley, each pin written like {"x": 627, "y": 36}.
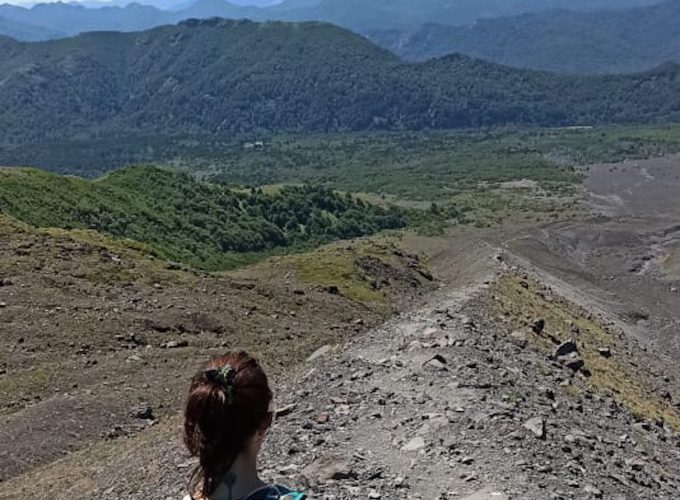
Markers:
{"x": 476, "y": 177}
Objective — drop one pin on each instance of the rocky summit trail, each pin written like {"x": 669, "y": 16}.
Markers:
{"x": 447, "y": 401}
{"x": 442, "y": 403}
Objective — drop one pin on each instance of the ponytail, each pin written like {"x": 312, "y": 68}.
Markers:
{"x": 228, "y": 403}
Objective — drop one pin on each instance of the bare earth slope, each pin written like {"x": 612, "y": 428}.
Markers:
{"x": 625, "y": 257}
{"x": 94, "y": 332}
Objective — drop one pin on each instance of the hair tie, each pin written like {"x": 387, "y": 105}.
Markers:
{"x": 225, "y": 377}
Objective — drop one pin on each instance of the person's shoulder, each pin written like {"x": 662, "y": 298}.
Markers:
{"x": 288, "y": 494}
{"x": 278, "y": 492}
{"x": 294, "y": 495}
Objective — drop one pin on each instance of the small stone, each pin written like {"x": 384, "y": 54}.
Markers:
{"x": 143, "y": 412}
{"x": 3, "y": 305}
{"x": 437, "y": 363}
{"x": 330, "y": 468}
{"x": 538, "y": 325}
{"x": 573, "y": 362}
{"x": 642, "y": 426}
{"x": 487, "y": 494}
{"x": 322, "y": 418}
{"x": 174, "y": 344}
{"x": 187, "y": 464}
{"x": 320, "y": 352}
{"x": 546, "y": 392}
{"x": 605, "y": 352}
{"x": 414, "y": 444}
{"x": 566, "y": 349}
{"x": 468, "y": 322}
{"x": 284, "y": 411}
{"x": 592, "y": 491}
{"x": 519, "y": 338}
{"x": 537, "y": 426}
{"x": 567, "y": 355}
{"x": 635, "y": 464}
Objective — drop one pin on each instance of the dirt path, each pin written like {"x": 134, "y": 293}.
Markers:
{"x": 378, "y": 398}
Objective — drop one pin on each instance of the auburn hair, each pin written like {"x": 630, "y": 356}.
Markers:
{"x": 222, "y": 415}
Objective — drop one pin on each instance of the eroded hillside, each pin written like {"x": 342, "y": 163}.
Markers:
{"x": 93, "y": 328}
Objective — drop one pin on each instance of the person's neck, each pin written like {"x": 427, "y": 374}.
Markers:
{"x": 241, "y": 480}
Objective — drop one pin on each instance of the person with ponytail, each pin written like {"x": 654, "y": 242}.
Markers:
{"x": 228, "y": 413}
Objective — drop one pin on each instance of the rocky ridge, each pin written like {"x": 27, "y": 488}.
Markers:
{"x": 450, "y": 402}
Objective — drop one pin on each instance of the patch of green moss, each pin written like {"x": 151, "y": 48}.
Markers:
{"x": 336, "y": 267}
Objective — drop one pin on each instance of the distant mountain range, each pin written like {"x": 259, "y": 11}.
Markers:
{"x": 595, "y": 42}
{"x": 23, "y": 31}
{"x": 217, "y": 77}
{"x": 53, "y": 20}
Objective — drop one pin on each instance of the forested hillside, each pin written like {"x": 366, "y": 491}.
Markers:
{"x": 234, "y": 77}
{"x": 616, "y": 41}
{"x": 203, "y": 224}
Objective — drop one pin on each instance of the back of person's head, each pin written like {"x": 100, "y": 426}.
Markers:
{"x": 227, "y": 410}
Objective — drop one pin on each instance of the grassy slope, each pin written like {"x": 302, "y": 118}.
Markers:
{"x": 523, "y": 300}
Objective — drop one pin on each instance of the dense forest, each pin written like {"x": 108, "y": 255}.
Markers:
{"x": 203, "y": 224}
{"x": 618, "y": 41}
{"x": 236, "y": 77}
